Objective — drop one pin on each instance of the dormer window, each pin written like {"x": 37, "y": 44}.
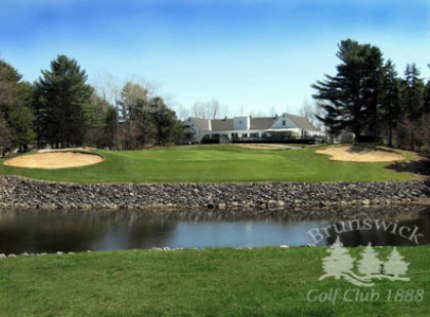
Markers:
{"x": 284, "y": 123}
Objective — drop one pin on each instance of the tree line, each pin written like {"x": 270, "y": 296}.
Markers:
{"x": 61, "y": 109}
{"x": 368, "y": 98}
{"x": 365, "y": 97}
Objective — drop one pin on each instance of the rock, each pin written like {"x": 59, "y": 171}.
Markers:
{"x": 18, "y": 192}
{"x": 365, "y": 202}
{"x": 222, "y": 206}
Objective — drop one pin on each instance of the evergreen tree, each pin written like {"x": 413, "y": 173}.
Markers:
{"x": 145, "y": 121}
{"x": 413, "y": 92}
{"x": 96, "y": 120}
{"x": 373, "y": 74}
{"x": 426, "y": 106}
{"x": 350, "y": 98}
{"x": 5, "y": 136}
{"x": 168, "y": 127}
{"x": 21, "y": 119}
{"x": 9, "y": 81}
{"x": 111, "y": 127}
{"x": 63, "y": 100}
{"x": 390, "y": 100}
{"x": 15, "y": 106}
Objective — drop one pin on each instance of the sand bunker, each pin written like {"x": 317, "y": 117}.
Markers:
{"x": 356, "y": 153}
{"x": 54, "y": 160}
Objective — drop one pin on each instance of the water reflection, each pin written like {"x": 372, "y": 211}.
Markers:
{"x": 26, "y": 231}
{"x": 416, "y": 231}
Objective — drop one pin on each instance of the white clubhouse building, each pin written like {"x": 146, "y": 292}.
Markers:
{"x": 284, "y": 127}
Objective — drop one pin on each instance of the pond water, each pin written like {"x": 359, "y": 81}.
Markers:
{"x": 26, "y": 231}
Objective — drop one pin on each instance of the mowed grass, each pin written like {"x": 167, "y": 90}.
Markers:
{"x": 212, "y": 282}
{"x": 217, "y": 163}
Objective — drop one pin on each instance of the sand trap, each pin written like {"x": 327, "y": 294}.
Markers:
{"x": 358, "y": 153}
{"x": 55, "y": 160}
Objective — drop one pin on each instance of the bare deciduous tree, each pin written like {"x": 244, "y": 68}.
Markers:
{"x": 207, "y": 110}
{"x": 312, "y": 111}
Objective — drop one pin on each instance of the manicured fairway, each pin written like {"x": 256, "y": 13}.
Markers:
{"x": 217, "y": 282}
{"x": 216, "y": 163}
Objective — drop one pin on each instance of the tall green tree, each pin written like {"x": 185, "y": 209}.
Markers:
{"x": 350, "y": 98}
{"x": 111, "y": 127}
{"x": 63, "y": 100}
{"x": 21, "y": 120}
{"x": 413, "y": 93}
{"x": 169, "y": 128}
{"x": 132, "y": 108}
{"x": 391, "y": 111}
{"x": 426, "y": 105}
{"x": 5, "y": 136}
{"x": 15, "y": 106}
{"x": 96, "y": 120}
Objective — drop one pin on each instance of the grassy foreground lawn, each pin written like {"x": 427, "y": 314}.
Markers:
{"x": 216, "y": 163}
{"x": 217, "y": 282}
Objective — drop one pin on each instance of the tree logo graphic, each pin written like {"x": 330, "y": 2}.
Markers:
{"x": 340, "y": 264}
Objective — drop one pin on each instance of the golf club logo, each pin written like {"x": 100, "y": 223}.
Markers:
{"x": 340, "y": 264}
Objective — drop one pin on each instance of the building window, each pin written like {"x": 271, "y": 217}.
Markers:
{"x": 284, "y": 123}
{"x": 244, "y": 135}
{"x": 254, "y": 135}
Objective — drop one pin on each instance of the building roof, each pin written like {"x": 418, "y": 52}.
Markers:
{"x": 302, "y": 122}
{"x": 262, "y": 123}
{"x": 259, "y": 123}
{"x": 222, "y": 124}
{"x": 203, "y": 124}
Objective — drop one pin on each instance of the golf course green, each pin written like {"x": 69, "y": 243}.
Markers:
{"x": 219, "y": 163}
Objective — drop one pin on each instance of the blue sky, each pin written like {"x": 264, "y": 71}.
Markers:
{"x": 252, "y": 56}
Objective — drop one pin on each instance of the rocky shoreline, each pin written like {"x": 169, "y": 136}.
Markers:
{"x": 23, "y": 193}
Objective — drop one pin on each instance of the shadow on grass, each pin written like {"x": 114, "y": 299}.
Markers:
{"x": 419, "y": 167}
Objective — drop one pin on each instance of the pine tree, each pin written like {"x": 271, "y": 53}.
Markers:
{"x": 369, "y": 264}
{"x": 413, "y": 93}
{"x": 390, "y": 100}
{"x": 21, "y": 119}
{"x": 165, "y": 121}
{"x": 111, "y": 128}
{"x": 350, "y": 98}
{"x": 396, "y": 266}
{"x": 426, "y": 106}
{"x": 15, "y": 106}
{"x": 63, "y": 98}
{"x": 5, "y": 136}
